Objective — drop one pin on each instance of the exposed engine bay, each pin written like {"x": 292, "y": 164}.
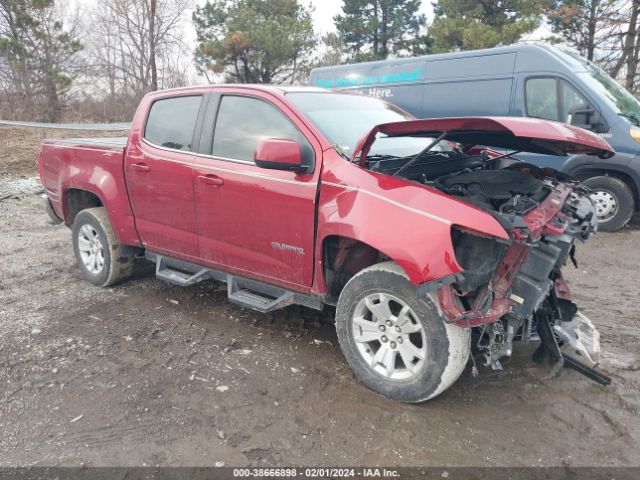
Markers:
{"x": 502, "y": 184}
{"x": 512, "y": 290}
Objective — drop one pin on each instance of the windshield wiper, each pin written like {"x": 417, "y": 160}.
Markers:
{"x": 341, "y": 152}
{"x": 505, "y": 155}
{"x": 631, "y": 116}
{"x": 377, "y": 162}
{"x": 381, "y": 156}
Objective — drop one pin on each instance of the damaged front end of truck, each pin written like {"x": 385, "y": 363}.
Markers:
{"x": 507, "y": 289}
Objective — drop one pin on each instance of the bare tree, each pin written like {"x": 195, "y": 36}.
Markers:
{"x": 39, "y": 55}
{"x": 585, "y": 24}
{"x": 605, "y": 31}
{"x": 138, "y": 44}
{"x": 630, "y": 47}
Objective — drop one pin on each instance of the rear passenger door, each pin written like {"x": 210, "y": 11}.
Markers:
{"x": 158, "y": 169}
{"x": 254, "y": 221}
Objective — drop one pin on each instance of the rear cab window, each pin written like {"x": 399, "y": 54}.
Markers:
{"x": 172, "y": 121}
{"x": 243, "y": 121}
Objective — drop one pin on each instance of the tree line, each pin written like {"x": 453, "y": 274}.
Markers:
{"x": 58, "y": 63}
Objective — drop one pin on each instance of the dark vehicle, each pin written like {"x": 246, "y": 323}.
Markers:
{"x": 522, "y": 80}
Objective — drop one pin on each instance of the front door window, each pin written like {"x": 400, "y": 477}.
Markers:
{"x": 551, "y": 98}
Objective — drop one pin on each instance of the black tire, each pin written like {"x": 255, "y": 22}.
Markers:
{"x": 620, "y": 193}
{"x": 115, "y": 267}
{"x": 447, "y": 346}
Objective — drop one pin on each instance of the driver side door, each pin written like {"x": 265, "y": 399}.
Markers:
{"x": 254, "y": 221}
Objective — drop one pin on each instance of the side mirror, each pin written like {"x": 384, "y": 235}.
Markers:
{"x": 279, "y": 154}
{"x": 584, "y": 117}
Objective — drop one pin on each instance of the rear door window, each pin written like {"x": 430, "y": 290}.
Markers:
{"x": 243, "y": 121}
{"x": 172, "y": 121}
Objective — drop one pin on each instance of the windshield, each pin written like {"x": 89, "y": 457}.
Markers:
{"x": 344, "y": 119}
{"x": 616, "y": 95}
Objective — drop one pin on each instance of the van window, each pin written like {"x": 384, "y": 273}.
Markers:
{"x": 571, "y": 100}
{"x": 552, "y": 99}
{"x": 542, "y": 98}
{"x": 618, "y": 98}
{"x": 172, "y": 121}
{"x": 243, "y": 121}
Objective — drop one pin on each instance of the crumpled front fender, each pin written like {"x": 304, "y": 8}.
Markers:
{"x": 409, "y": 223}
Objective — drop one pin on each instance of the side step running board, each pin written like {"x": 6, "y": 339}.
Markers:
{"x": 177, "y": 277}
{"x": 253, "y": 294}
{"x": 257, "y": 296}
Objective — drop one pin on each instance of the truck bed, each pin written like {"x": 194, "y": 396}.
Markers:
{"x": 95, "y": 164}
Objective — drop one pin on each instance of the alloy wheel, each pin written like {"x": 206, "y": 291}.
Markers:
{"x": 91, "y": 249}
{"x": 389, "y": 336}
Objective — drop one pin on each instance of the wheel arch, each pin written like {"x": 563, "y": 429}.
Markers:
{"x": 74, "y": 200}
{"x": 342, "y": 258}
{"x": 79, "y": 193}
{"x": 354, "y": 253}
{"x": 621, "y": 172}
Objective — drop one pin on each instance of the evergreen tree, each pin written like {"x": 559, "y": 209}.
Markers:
{"x": 375, "y": 29}
{"x": 254, "y": 41}
{"x": 38, "y": 55}
{"x": 469, "y": 24}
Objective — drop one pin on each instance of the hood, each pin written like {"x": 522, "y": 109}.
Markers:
{"x": 513, "y": 133}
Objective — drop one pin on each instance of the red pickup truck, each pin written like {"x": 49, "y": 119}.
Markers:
{"x": 424, "y": 234}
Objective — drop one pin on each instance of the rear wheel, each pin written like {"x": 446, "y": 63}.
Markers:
{"x": 613, "y": 200}
{"x": 397, "y": 343}
{"x": 97, "y": 250}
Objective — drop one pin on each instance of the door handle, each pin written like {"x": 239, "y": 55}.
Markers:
{"x": 212, "y": 180}
{"x": 140, "y": 167}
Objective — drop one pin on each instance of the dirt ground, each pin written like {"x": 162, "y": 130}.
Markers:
{"x": 151, "y": 374}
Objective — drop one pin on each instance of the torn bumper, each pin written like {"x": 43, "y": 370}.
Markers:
{"x": 580, "y": 338}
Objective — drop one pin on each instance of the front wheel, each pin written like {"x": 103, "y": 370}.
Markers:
{"x": 613, "y": 200}
{"x": 397, "y": 343}
{"x": 97, "y": 250}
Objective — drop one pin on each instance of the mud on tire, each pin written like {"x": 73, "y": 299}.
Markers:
{"x": 446, "y": 347}
{"x": 93, "y": 223}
